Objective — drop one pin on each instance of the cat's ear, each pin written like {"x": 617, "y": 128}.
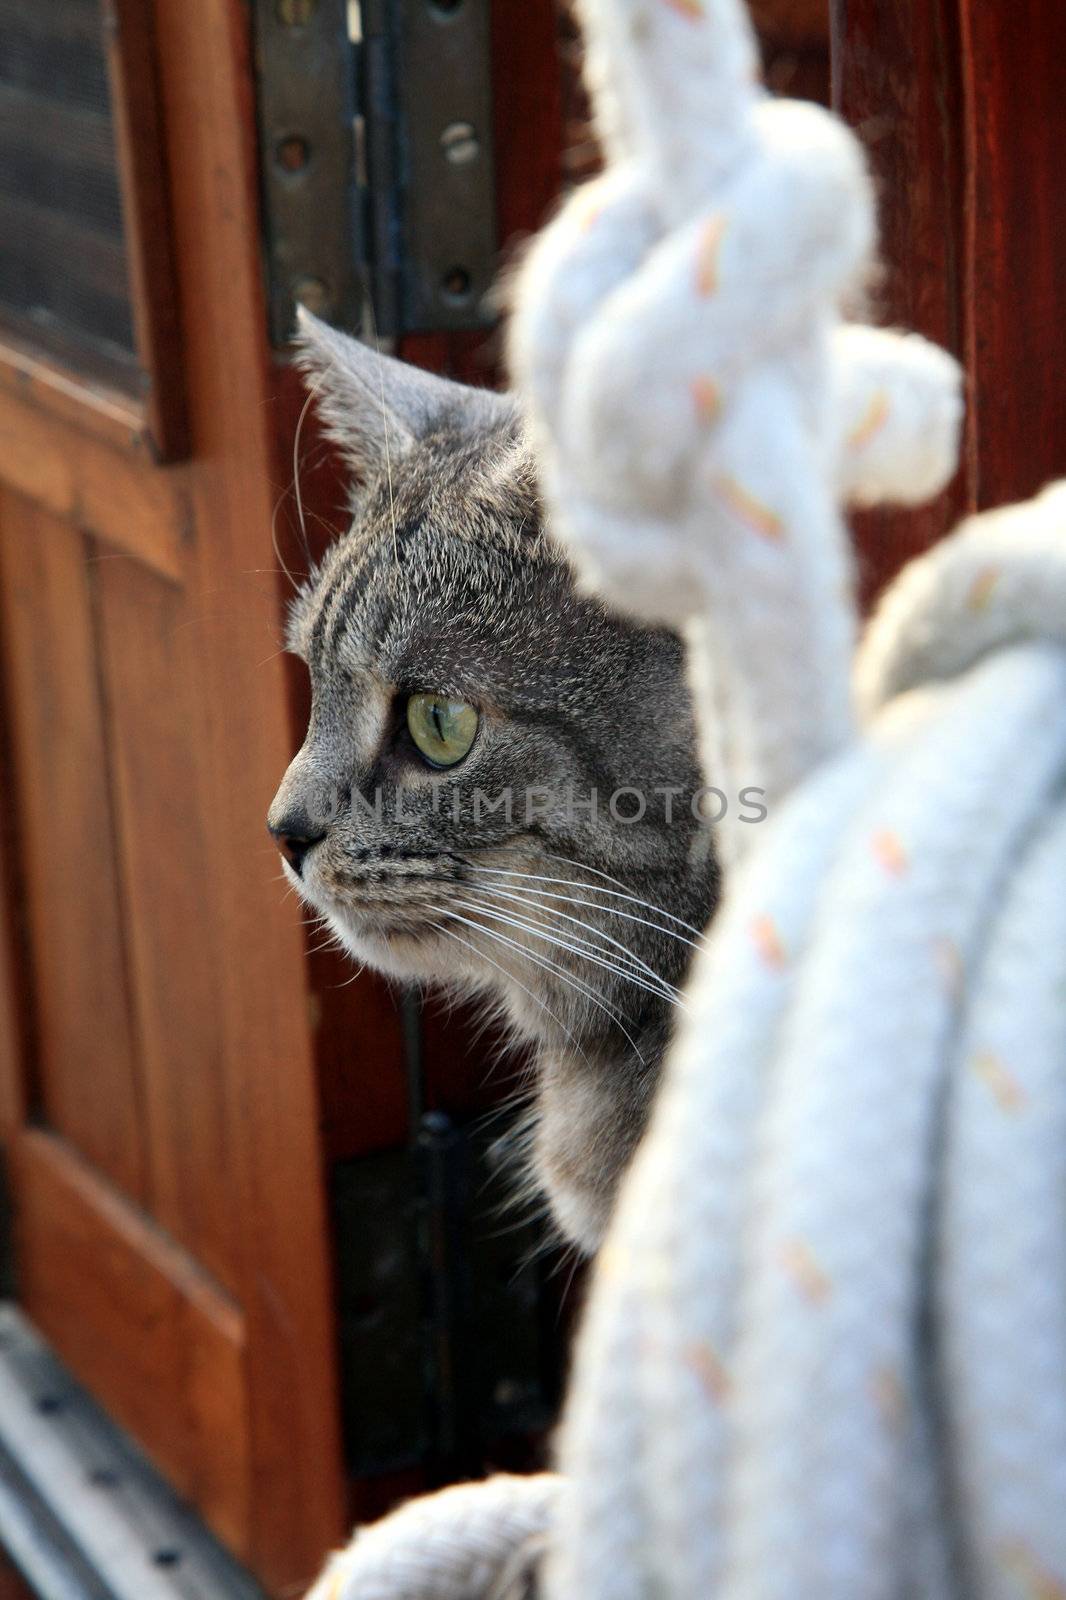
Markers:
{"x": 373, "y": 406}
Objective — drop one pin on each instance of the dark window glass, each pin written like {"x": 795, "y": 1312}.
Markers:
{"x": 63, "y": 278}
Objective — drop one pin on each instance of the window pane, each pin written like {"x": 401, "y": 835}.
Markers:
{"x": 63, "y": 278}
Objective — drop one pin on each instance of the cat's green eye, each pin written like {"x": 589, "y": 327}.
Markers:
{"x": 442, "y": 729}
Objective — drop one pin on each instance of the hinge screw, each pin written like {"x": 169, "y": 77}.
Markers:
{"x": 459, "y": 142}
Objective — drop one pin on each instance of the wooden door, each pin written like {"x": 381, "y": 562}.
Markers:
{"x": 159, "y": 1107}
{"x": 961, "y": 105}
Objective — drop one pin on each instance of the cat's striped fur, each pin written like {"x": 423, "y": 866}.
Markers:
{"x": 579, "y": 928}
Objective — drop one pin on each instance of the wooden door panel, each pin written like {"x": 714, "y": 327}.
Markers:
{"x": 897, "y": 78}
{"x": 87, "y": 1077}
{"x": 140, "y": 1323}
{"x": 155, "y": 698}
{"x": 207, "y": 89}
{"x": 102, "y": 490}
{"x": 961, "y": 109}
{"x": 196, "y": 1301}
{"x": 158, "y": 1099}
{"x": 14, "y": 1051}
{"x": 1016, "y": 244}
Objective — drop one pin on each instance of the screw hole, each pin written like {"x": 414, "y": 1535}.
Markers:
{"x": 456, "y": 284}
{"x": 293, "y": 153}
{"x": 104, "y": 1478}
{"x": 49, "y": 1404}
{"x": 167, "y": 1557}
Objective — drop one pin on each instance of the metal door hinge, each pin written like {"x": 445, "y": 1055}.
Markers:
{"x": 375, "y": 127}
{"x": 315, "y": 250}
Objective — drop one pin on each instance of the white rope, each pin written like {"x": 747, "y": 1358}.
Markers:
{"x": 459, "y": 1544}
{"x": 825, "y": 1348}
{"x": 698, "y": 403}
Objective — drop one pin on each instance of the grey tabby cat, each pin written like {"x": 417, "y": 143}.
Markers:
{"x": 467, "y": 703}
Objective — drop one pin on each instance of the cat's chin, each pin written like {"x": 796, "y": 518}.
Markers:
{"x": 409, "y": 953}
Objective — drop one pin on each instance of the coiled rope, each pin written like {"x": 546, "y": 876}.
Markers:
{"x": 825, "y": 1350}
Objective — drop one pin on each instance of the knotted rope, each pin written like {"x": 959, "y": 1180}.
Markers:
{"x": 463, "y": 1543}
{"x": 825, "y": 1350}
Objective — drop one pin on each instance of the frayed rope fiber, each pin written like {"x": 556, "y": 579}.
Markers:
{"x": 825, "y": 1348}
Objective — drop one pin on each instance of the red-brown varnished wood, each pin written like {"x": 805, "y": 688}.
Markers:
{"x": 1014, "y": 274}
{"x": 897, "y": 78}
{"x": 16, "y": 1051}
{"x": 63, "y": 818}
{"x": 94, "y": 486}
{"x": 527, "y": 116}
{"x": 962, "y": 108}
{"x": 170, "y": 1037}
{"x": 129, "y": 27}
{"x": 13, "y": 1585}
{"x": 91, "y": 405}
{"x": 794, "y": 37}
{"x": 155, "y": 695}
{"x": 138, "y": 1320}
{"x": 275, "y": 1165}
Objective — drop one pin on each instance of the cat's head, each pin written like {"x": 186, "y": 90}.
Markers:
{"x": 480, "y": 736}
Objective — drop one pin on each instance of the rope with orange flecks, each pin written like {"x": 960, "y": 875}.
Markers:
{"x": 699, "y": 404}
{"x": 825, "y": 1346}
{"x": 753, "y": 1412}
{"x": 465, "y": 1543}
{"x": 825, "y": 1350}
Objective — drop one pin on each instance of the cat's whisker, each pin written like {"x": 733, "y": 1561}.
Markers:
{"x": 579, "y": 985}
{"x": 534, "y": 1213}
{"x": 316, "y": 922}
{"x": 619, "y": 883}
{"x": 594, "y": 888}
{"x": 511, "y": 1108}
{"x": 311, "y": 393}
{"x": 543, "y": 1245}
{"x": 584, "y": 954}
{"x": 372, "y": 320}
{"x": 358, "y": 973}
{"x": 671, "y": 990}
{"x": 583, "y": 866}
{"x": 319, "y": 924}
{"x": 582, "y": 948}
{"x": 576, "y": 1258}
{"x": 274, "y": 540}
{"x": 458, "y": 938}
{"x": 524, "y": 1199}
{"x": 266, "y": 572}
{"x": 567, "y": 978}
